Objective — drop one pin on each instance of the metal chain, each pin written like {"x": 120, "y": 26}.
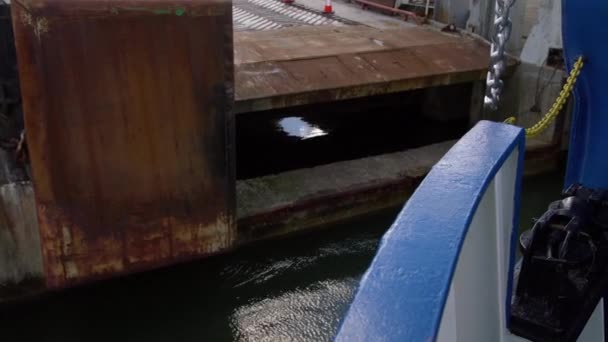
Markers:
{"x": 502, "y": 33}
{"x": 559, "y": 103}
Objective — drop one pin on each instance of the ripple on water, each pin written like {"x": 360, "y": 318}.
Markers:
{"x": 251, "y": 272}
{"x": 311, "y": 313}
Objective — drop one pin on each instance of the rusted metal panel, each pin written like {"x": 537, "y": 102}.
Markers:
{"x": 279, "y": 69}
{"x": 128, "y": 110}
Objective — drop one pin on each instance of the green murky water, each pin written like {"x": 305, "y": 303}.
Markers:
{"x": 294, "y": 289}
{"x": 537, "y": 193}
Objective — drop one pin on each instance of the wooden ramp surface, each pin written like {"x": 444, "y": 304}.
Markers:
{"x": 313, "y": 64}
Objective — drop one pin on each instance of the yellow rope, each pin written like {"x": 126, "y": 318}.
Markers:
{"x": 559, "y": 103}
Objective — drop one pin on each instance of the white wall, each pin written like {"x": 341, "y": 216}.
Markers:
{"x": 546, "y": 34}
{"x": 476, "y": 302}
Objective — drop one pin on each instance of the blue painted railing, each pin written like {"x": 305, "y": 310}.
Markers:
{"x": 403, "y": 294}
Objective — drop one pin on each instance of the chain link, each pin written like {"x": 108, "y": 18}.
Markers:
{"x": 559, "y": 103}
{"x": 502, "y": 33}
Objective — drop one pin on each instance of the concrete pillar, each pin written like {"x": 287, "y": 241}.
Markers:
{"x": 452, "y": 12}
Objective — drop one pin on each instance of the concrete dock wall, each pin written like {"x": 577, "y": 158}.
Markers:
{"x": 20, "y": 254}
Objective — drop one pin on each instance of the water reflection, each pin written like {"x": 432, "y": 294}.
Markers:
{"x": 285, "y": 290}
{"x": 310, "y": 313}
{"x": 296, "y": 126}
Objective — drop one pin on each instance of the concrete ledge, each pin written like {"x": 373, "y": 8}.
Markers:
{"x": 301, "y": 199}
{"x": 304, "y": 199}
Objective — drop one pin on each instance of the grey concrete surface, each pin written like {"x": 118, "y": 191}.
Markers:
{"x": 20, "y": 256}
{"x": 275, "y": 191}
{"x": 351, "y": 11}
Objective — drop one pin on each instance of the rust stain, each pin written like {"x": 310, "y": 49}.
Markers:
{"x": 129, "y": 122}
{"x": 75, "y": 251}
{"x": 276, "y": 70}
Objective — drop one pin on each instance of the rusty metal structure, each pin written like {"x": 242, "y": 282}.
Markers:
{"x": 278, "y": 69}
{"x": 128, "y": 113}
